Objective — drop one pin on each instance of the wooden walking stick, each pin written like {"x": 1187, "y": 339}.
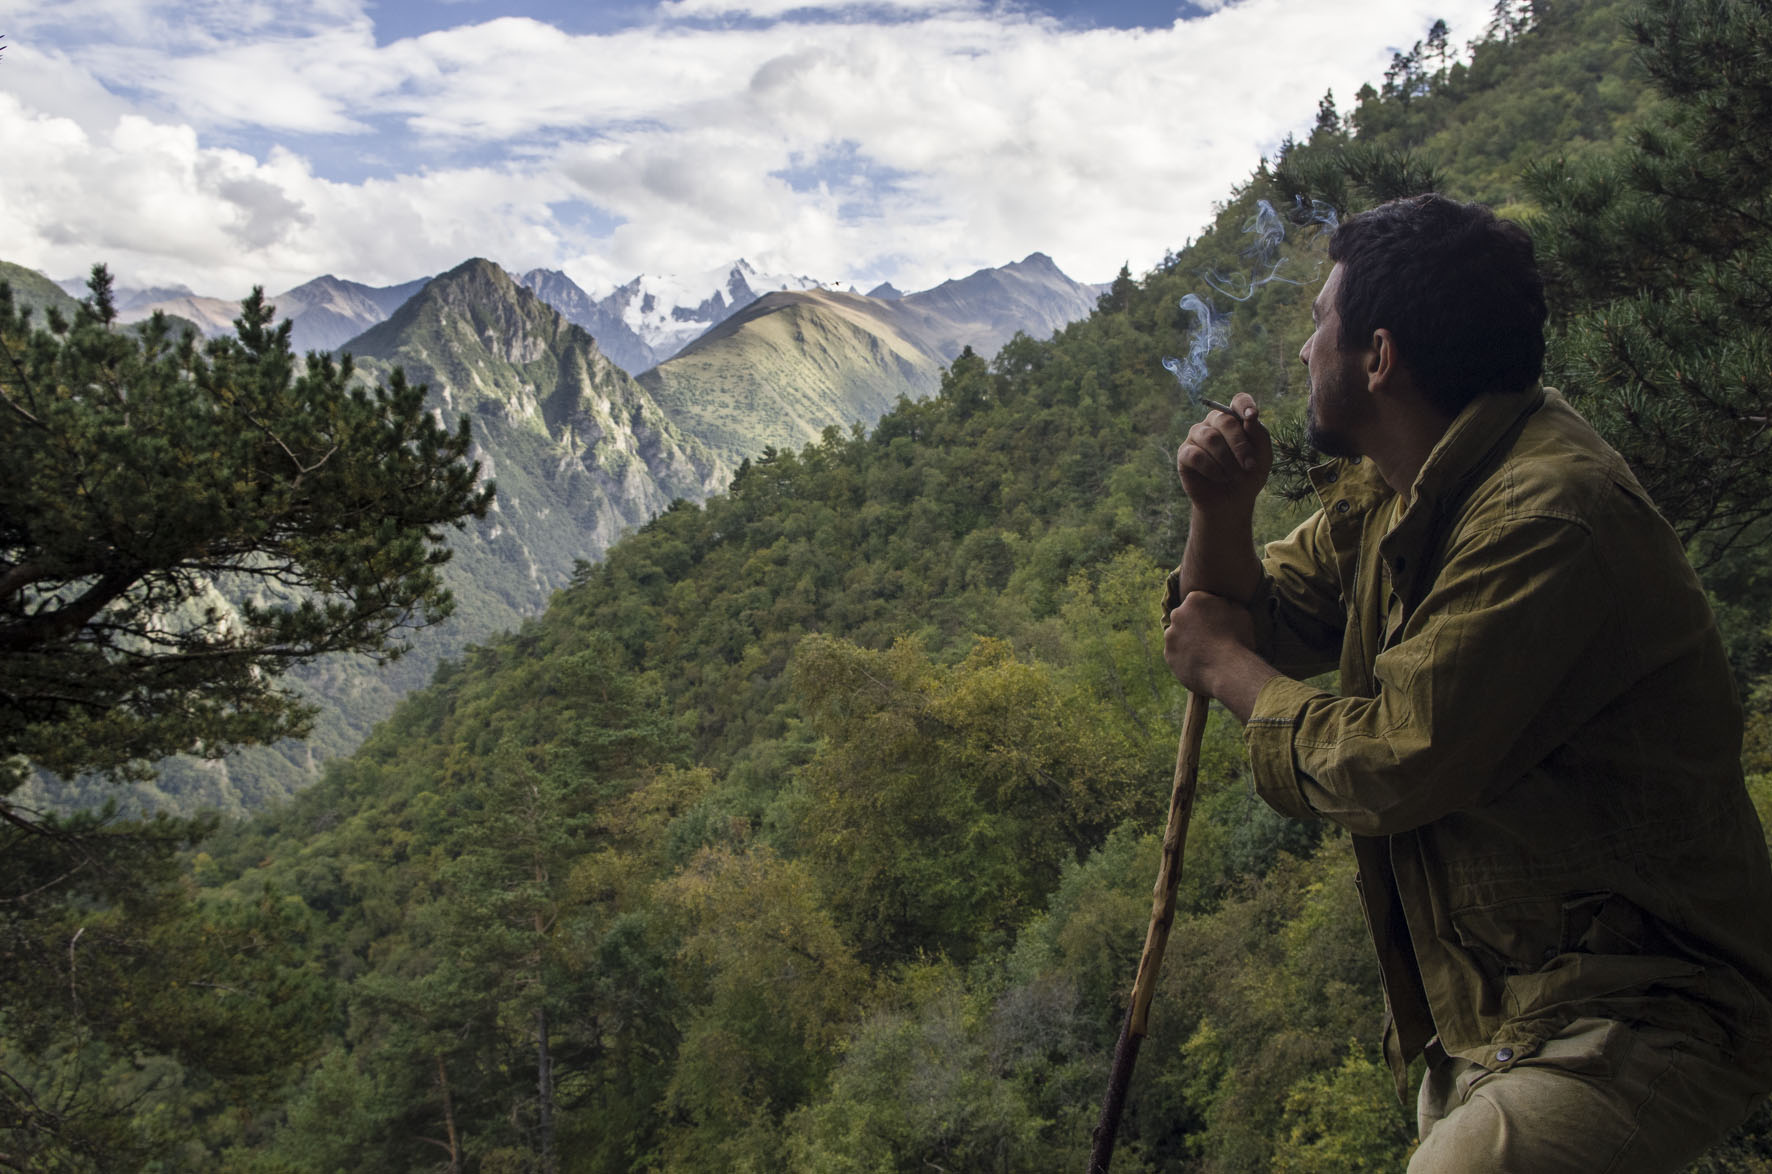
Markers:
{"x": 1181, "y": 809}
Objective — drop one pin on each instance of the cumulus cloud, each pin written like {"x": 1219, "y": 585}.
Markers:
{"x": 776, "y": 9}
{"x": 915, "y": 146}
{"x": 159, "y": 207}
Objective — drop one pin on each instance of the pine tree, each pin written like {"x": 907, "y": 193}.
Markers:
{"x": 180, "y": 526}
{"x": 1661, "y": 273}
{"x": 1439, "y": 47}
{"x": 1328, "y": 124}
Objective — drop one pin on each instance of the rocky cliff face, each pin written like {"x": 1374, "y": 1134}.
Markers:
{"x": 580, "y": 450}
{"x": 580, "y": 453}
{"x": 615, "y": 338}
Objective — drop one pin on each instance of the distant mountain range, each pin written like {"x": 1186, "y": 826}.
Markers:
{"x": 580, "y": 449}
{"x": 788, "y": 365}
{"x": 649, "y": 319}
{"x": 323, "y": 313}
{"x": 328, "y": 312}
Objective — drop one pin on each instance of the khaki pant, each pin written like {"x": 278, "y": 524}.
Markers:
{"x": 1599, "y": 1098}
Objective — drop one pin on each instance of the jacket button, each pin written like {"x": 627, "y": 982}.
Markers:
{"x": 1342, "y": 507}
{"x": 1331, "y": 476}
{"x": 1504, "y": 1055}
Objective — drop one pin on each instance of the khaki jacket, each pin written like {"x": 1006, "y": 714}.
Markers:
{"x": 1536, "y": 745}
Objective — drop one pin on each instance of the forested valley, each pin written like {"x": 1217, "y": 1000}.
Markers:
{"x": 814, "y": 828}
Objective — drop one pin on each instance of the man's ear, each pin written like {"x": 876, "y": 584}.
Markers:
{"x": 1383, "y": 362}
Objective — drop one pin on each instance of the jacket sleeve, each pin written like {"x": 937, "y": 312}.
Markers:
{"x": 1471, "y": 681}
{"x": 1299, "y": 612}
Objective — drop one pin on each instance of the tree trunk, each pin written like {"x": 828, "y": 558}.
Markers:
{"x": 544, "y": 1065}
{"x": 449, "y": 1118}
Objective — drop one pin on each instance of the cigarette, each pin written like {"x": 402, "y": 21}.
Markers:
{"x": 1216, "y": 406}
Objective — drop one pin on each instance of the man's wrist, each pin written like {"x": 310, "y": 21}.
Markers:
{"x": 1237, "y": 678}
{"x": 1220, "y": 554}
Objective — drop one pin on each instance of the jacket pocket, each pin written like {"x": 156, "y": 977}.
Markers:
{"x": 1519, "y": 937}
{"x": 1594, "y": 1048}
{"x": 1606, "y": 923}
{"x": 1510, "y": 937}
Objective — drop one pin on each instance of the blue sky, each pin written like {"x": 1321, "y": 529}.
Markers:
{"x": 223, "y": 143}
{"x": 396, "y": 19}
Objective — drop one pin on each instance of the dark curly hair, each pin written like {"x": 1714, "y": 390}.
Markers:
{"x": 1457, "y": 287}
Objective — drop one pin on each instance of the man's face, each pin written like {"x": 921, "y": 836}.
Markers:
{"x": 1338, "y": 402}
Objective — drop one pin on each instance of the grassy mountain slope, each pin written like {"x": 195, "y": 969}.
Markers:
{"x": 33, "y": 289}
{"x": 793, "y": 363}
{"x": 789, "y": 365}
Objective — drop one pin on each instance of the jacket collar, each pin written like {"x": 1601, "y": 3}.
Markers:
{"x": 1488, "y": 423}
{"x": 1485, "y": 425}
{"x": 1476, "y": 441}
{"x": 1350, "y": 489}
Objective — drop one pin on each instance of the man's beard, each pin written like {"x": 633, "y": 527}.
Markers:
{"x": 1327, "y": 441}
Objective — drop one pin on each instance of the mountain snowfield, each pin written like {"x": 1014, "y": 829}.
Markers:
{"x": 670, "y": 311}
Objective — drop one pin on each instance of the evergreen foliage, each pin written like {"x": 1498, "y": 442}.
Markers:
{"x": 1661, "y": 270}
{"x": 178, "y": 528}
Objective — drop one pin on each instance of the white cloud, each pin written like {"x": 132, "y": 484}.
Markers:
{"x": 998, "y": 135}
{"x": 776, "y": 9}
{"x": 158, "y": 207}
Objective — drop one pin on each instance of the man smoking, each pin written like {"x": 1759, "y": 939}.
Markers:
{"x": 1536, "y": 744}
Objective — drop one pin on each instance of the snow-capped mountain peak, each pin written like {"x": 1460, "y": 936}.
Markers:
{"x": 670, "y": 310}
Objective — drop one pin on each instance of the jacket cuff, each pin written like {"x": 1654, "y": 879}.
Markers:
{"x": 1268, "y": 734}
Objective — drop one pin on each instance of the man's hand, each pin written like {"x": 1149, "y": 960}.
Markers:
{"x": 1226, "y": 458}
{"x": 1223, "y": 465}
{"x": 1209, "y": 645}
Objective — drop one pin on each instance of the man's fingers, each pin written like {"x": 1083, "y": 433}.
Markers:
{"x": 1207, "y": 453}
{"x": 1236, "y": 437}
{"x": 1228, "y": 442}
